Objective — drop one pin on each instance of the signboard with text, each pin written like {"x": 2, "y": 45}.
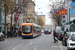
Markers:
{"x": 67, "y": 27}
{"x": 62, "y": 12}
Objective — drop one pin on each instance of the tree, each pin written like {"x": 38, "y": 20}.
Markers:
{"x": 39, "y": 21}
{"x": 56, "y": 18}
{"x": 9, "y": 7}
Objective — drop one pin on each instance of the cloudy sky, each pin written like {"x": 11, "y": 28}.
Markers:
{"x": 43, "y": 6}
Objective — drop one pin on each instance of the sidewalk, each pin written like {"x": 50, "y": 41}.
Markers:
{"x": 62, "y": 46}
{"x": 12, "y": 37}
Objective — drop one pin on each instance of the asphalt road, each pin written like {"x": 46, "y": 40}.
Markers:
{"x": 43, "y": 42}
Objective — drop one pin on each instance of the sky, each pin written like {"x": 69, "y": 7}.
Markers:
{"x": 43, "y": 6}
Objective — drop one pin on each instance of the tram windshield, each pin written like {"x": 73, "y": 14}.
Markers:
{"x": 26, "y": 29}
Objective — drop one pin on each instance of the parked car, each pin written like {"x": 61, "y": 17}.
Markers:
{"x": 50, "y": 31}
{"x": 61, "y": 35}
{"x": 65, "y": 37}
{"x": 58, "y": 35}
{"x": 46, "y": 32}
{"x": 71, "y": 41}
{"x": 1, "y": 36}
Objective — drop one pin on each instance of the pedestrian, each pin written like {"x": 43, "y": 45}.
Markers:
{"x": 8, "y": 34}
{"x": 16, "y": 32}
{"x": 66, "y": 31}
{"x": 54, "y": 36}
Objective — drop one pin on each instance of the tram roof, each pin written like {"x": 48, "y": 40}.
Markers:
{"x": 33, "y": 24}
{"x": 36, "y": 25}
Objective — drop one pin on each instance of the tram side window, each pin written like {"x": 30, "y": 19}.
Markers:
{"x": 34, "y": 29}
{"x": 38, "y": 29}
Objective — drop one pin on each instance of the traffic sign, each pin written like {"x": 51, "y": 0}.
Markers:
{"x": 50, "y": 11}
{"x": 63, "y": 21}
{"x": 63, "y": 16}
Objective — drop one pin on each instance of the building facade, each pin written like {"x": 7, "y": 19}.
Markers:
{"x": 28, "y": 11}
{"x": 44, "y": 20}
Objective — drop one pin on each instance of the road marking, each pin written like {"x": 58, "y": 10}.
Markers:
{"x": 17, "y": 46}
{"x": 22, "y": 49}
{"x": 60, "y": 45}
{"x": 30, "y": 44}
{"x": 39, "y": 43}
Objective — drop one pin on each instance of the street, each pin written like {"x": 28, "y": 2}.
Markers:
{"x": 31, "y": 18}
{"x": 43, "y": 42}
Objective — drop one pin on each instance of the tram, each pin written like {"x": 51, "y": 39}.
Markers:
{"x": 30, "y": 30}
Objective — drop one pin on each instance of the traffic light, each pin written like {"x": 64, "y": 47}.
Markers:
{"x": 17, "y": 18}
{"x": 73, "y": 0}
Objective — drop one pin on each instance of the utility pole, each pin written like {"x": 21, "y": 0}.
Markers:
{"x": 11, "y": 15}
{"x": 0, "y": 20}
{"x": 11, "y": 21}
{"x": 5, "y": 19}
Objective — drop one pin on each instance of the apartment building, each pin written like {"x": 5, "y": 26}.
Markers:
{"x": 28, "y": 11}
{"x": 44, "y": 20}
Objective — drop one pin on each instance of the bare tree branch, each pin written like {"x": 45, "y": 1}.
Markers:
{"x": 56, "y": 18}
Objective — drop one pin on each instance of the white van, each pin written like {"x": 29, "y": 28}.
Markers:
{"x": 58, "y": 28}
{"x": 58, "y": 31}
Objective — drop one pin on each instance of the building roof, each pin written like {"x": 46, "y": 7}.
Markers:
{"x": 27, "y": 0}
{"x": 40, "y": 15}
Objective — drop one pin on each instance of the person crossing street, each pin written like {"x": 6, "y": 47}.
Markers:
{"x": 54, "y": 36}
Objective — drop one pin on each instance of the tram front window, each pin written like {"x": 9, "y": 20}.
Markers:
{"x": 26, "y": 29}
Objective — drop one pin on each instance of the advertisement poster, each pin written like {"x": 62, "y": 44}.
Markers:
{"x": 67, "y": 27}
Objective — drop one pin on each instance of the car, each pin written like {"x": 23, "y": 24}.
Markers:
{"x": 61, "y": 35}
{"x": 65, "y": 37}
{"x": 46, "y": 32}
{"x": 50, "y": 31}
{"x": 58, "y": 35}
{"x": 71, "y": 41}
{"x": 1, "y": 36}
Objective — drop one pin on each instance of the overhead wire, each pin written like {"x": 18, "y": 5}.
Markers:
{"x": 41, "y": 3}
{"x": 38, "y": 6}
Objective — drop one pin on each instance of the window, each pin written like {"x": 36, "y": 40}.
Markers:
{"x": 73, "y": 37}
{"x": 34, "y": 29}
{"x": 27, "y": 0}
{"x": 24, "y": 6}
{"x": 24, "y": 14}
{"x": 26, "y": 29}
